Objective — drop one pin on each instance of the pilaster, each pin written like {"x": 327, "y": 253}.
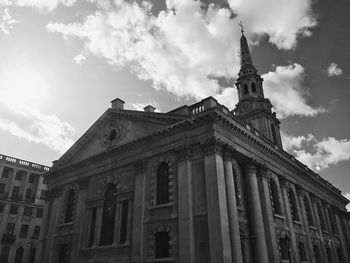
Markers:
{"x": 260, "y": 253}
{"x": 137, "y": 238}
{"x": 218, "y": 222}
{"x": 342, "y": 235}
{"x": 236, "y": 249}
{"x": 185, "y": 211}
{"x": 264, "y": 176}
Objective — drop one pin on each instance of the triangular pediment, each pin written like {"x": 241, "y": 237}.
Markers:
{"x": 113, "y": 129}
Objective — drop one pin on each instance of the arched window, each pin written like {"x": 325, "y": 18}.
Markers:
{"x": 329, "y": 255}
{"x": 317, "y": 253}
{"x": 162, "y": 196}
{"x": 340, "y": 255}
{"x": 108, "y": 216}
{"x": 162, "y": 244}
{"x": 309, "y": 217}
{"x": 19, "y": 255}
{"x": 320, "y": 216}
{"x": 293, "y": 205}
{"x": 245, "y": 87}
{"x": 253, "y": 87}
{"x": 5, "y": 251}
{"x": 332, "y": 220}
{"x": 275, "y": 200}
{"x": 69, "y": 206}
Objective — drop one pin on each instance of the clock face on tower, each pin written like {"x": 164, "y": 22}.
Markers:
{"x": 245, "y": 106}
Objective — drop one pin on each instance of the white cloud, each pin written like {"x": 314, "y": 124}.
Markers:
{"x": 6, "y": 20}
{"x": 21, "y": 93}
{"x": 282, "y": 21}
{"x": 317, "y": 154}
{"x": 79, "y": 59}
{"x": 347, "y": 195}
{"x": 334, "y": 70}
{"x": 185, "y": 49}
{"x": 285, "y": 90}
{"x": 48, "y": 5}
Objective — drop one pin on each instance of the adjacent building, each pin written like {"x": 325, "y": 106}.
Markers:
{"x": 22, "y": 200}
{"x": 198, "y": 184}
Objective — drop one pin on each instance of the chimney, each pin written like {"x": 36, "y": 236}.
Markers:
{"x": 149, "y": 108}
{"x": 117, "y": 104}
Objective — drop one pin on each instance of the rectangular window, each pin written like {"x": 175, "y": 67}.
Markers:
{"x": 24, "y": 231}
{"x": 14, "y": 210}
{"x": 19, "y": 175}
{"x": 2, "y": 188}
{"x": 124, "y": 221}
{"x": 15, "y": 193}
{"x": 36, "y": 232}
{"x": 28, "y": 194}
{"x": 62, "y": 253}
{"x": 39, "y": 212}
{"x": 10, "y": 228}
{"x": 6, "y": 172}
{"x": 31, "y": 178}
{"x": 162, "y": 245}
{"x": 28, "y": 211}
{"x": 92, "y": 226}
{"x": 43, "y": 194}
{"x": 2, "y": 207}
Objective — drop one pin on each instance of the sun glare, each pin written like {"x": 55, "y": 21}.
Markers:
{"x": 22, "y": 87}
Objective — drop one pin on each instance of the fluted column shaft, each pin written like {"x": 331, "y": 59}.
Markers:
{"x": 261, "y": 254}
{"x": 236, "y": 249}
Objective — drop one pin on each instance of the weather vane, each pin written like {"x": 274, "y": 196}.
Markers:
{"x": 242, "y": 27}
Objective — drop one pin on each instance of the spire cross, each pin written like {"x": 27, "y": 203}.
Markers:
{"x": 242, "y": 27}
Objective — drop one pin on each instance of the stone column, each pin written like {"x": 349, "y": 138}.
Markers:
{"x": 342, "y": 238}
{"x": 236, "y": 249}
{"x": 54, "y": 198}
{"x": 185, "y": 211}
{"x": 326, "y": 206}
{"x": 301, "y": 194}
{"x": 117, "y": 219}
{"x": 323, "y": 251}
{"x": 268, "y": 214}
{"x": 346, "y": 231}
{"x": 293, "y": 246}
{"x": 137, "y": 238}
{"x": 260, "y": 251}
{"x": 78, "y": 220}
{"x": 218, "y": 224}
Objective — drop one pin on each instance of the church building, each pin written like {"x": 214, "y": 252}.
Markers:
{"x": 198, "y": 184}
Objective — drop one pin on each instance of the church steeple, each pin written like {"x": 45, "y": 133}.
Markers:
{"x": 253, "y": 107}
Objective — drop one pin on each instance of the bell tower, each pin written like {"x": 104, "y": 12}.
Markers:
{"x": 252, "y": 106}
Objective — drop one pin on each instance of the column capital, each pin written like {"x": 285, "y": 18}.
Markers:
{"x": 212, "y": 146}
{"x": 264, "y": 172}
{"x": 283, "y": 181}
{"x": 184, "y": 153}
{"x": 314, "y": 198}
{"x": 300, "y": 190}
{"x": 228, "y": 152}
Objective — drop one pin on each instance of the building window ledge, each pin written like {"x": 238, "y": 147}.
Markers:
{"x": 161, "y": 206}
{"x": 105, "y": 246}
{"x": 297, "y": 222}
{"x": 155, "y": 260}
{"x": 280, "y": 216}
{"x": 65, "y": 224}
{"x": 312, "y": 227}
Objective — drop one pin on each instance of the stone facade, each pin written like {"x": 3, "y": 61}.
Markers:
{"x": 198, "y": 184}
{"x": 22, "y": 200}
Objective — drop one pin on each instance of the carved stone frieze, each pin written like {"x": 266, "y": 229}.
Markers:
{"x": 113, "y": 134}
{"x": 212, "y": 146}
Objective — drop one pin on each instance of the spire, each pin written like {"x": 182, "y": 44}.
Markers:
{"x": 246, "y": 58}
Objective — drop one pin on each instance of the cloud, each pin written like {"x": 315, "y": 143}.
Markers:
{"x": 317, "y": 154}
{"x": 334, "y": 70}
{"x": 347, "y": 195}
{"x": 186, "y": 48}
{"x": 79, "y": 59}
{"x": 48, "y": 5}
{"x": 6, "y": 20}
{"x": 21, "y": 93}
{"x": 283, "y": 22}
{"x": 285, "y": 90}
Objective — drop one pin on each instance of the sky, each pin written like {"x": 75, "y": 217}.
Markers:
{"x": 63, "y": 61}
